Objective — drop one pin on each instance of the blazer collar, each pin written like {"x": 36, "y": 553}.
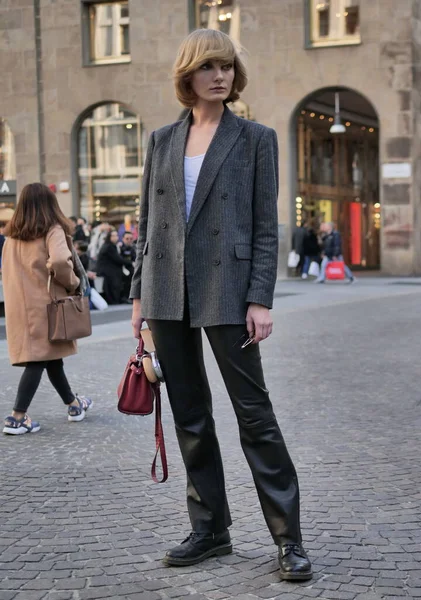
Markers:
{"x": 225, "y": 137}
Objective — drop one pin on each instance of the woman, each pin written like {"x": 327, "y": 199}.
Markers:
{"x": 311, "y": 248}
{"x": 207, "y": 257}
{"x": 38, "y": 243}
{"x": 110, "y": 266}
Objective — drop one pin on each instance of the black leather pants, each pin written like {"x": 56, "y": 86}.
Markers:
{"x": 179, "y": 348}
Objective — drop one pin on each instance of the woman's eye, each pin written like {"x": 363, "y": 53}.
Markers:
{"x": 227, "y": 67}
{"x": 205, "y": 66}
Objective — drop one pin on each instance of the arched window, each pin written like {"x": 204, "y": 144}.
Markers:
{"x": 111, "y": 148}
{"x": 7, "y": 152}
{"x": 7, "y": 171}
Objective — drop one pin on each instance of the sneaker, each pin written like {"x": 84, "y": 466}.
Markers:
{"x": 77, "y": 413}
{"x": 319, "y": 281}
{"x": 352, "y": 280}
{"x": 14, "y": 426}
{"x": 304, "y": 276}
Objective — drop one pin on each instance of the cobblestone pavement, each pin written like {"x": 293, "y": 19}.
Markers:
{"x": 81, "y": 519}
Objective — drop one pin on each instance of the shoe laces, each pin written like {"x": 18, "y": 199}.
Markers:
{"x": 288, "y": 548}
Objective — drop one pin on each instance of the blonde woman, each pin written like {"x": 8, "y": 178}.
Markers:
{"x": 36, "y": 246}
{"x": 207, "y": 258}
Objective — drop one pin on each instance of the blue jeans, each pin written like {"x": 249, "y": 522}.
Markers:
{"x": 324, "y": 264}
{"x": 307, "y": 262}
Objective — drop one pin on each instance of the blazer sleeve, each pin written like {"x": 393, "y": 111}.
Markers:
{"x": 265, "y": 222}
{"x": 59, "y": 260}
{"x": 143, "y": 222}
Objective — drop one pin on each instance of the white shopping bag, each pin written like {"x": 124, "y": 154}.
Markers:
{"x": 314, "y": 269}
{"x": 293, "y": 259}
{"x": 99, "y": 284}
{"x": 97, "y": 300}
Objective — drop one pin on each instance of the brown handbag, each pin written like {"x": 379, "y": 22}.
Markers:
{"x": 69, "y": 318}
{"x": 136, "y": 395}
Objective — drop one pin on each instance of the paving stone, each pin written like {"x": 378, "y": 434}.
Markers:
{"x": 360, "y": 510}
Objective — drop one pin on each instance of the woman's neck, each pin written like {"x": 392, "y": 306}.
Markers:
{"x": 207, "y": 113}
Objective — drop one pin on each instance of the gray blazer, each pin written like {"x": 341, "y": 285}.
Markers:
{"x": 225, "y": 255}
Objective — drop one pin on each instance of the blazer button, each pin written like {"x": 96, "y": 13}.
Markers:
{"x": 217, "y": 262}
{"x": 215, "y": 231}
{"x": 159, "y": 255}
{"x": 160, "y": 192}
{"x": 224, "y": 196}
{"x": 164, "y": 225}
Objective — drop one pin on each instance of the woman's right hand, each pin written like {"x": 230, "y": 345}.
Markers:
{"x": 136, "y": 318}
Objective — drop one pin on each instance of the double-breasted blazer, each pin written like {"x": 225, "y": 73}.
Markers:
{"x": 225, "y": 254}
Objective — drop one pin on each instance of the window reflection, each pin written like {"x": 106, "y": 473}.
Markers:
{"x": 334, "y": 21}
{"x": 7, "y": 152}
{"x": 223, "y": 15}
{"x": 111, "y": 153}
{"x": 109, "y": 31}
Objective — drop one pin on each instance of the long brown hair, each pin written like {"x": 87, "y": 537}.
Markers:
{"x": 36, "y": 212}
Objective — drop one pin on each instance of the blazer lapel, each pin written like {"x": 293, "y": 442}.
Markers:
{"x": 225, "y": 137}
{"x": 177, "y": 151}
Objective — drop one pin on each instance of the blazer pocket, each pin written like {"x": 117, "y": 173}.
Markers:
{"x": 145, "y": 248}
{"x": 243, "y": 251}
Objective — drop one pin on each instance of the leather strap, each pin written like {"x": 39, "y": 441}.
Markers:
{"x": 159, "y": 439}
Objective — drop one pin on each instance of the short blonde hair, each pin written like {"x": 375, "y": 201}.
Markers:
{"x": 199, "y": 47}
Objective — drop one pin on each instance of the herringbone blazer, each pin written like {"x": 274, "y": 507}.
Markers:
{"x": 225, "y": 256}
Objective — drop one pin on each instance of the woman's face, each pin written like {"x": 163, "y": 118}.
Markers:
{"x": 114, "y": 237}
{"x": 212, "y": 81}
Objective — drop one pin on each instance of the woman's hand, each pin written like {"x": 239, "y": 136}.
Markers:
{"x": 136, "y": 318}
{"x": 259, "y": 322}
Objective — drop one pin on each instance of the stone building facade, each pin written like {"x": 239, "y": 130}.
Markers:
{"x": 50, "y": 88}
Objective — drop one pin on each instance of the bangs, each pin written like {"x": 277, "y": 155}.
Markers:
{"x": 203, "y": 45}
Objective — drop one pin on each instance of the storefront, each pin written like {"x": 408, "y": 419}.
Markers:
{"x": 111, "y": 146}
{"x": 338, "y": 173}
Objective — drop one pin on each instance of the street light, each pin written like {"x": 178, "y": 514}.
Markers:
{"x": 337, "y": 126}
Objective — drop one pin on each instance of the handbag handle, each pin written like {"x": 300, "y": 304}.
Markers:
{"x": 159, "y": 439}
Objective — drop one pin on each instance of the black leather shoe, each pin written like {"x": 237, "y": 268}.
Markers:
{"x": 198, "y": 547}
{"x": 294, "y": 563}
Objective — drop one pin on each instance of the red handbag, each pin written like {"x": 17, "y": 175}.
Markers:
{"x": 136, "y": 395}
{"x": 335, "y": 269}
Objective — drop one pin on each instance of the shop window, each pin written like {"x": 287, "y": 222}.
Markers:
{"x": 223, "y": 15}
{"x": 106, "y": 33}
{"x": 111, "y": 146}
{"x": 333, "y": 22}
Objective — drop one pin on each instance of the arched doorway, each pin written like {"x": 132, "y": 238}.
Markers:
{"x": 337, "y": 174}
{"x": 111, "y": 148}
{"x": 7, "y": 172}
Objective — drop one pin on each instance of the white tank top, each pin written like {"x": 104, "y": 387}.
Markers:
{"x": 192, "y": 166}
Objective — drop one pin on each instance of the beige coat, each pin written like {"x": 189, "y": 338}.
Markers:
{"x": 25, "y": 269}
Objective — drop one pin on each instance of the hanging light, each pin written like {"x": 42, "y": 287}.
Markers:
{"x": 337, "y": 126}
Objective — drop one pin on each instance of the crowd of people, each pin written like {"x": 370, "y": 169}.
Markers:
{"x": 108, "y": 256}
{"x": 318, "y": 244}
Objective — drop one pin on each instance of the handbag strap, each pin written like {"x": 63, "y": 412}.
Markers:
{"x": 159, "y": 439}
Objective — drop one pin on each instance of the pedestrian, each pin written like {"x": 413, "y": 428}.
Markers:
{"x": 207, "y": 258}
{"x": 311, "y": 248}
{"x": 297, "y": 244}
{"x": 37, "y": 245}
{"x": 110, "y": 266}
{"x": 332, "y": 251}
{"x": 128, "y": 252}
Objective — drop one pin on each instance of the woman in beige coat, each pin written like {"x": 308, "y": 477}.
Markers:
{"x": 37, "y": 245}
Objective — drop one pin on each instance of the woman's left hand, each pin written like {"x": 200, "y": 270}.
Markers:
{"x": 259, "y": 322}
